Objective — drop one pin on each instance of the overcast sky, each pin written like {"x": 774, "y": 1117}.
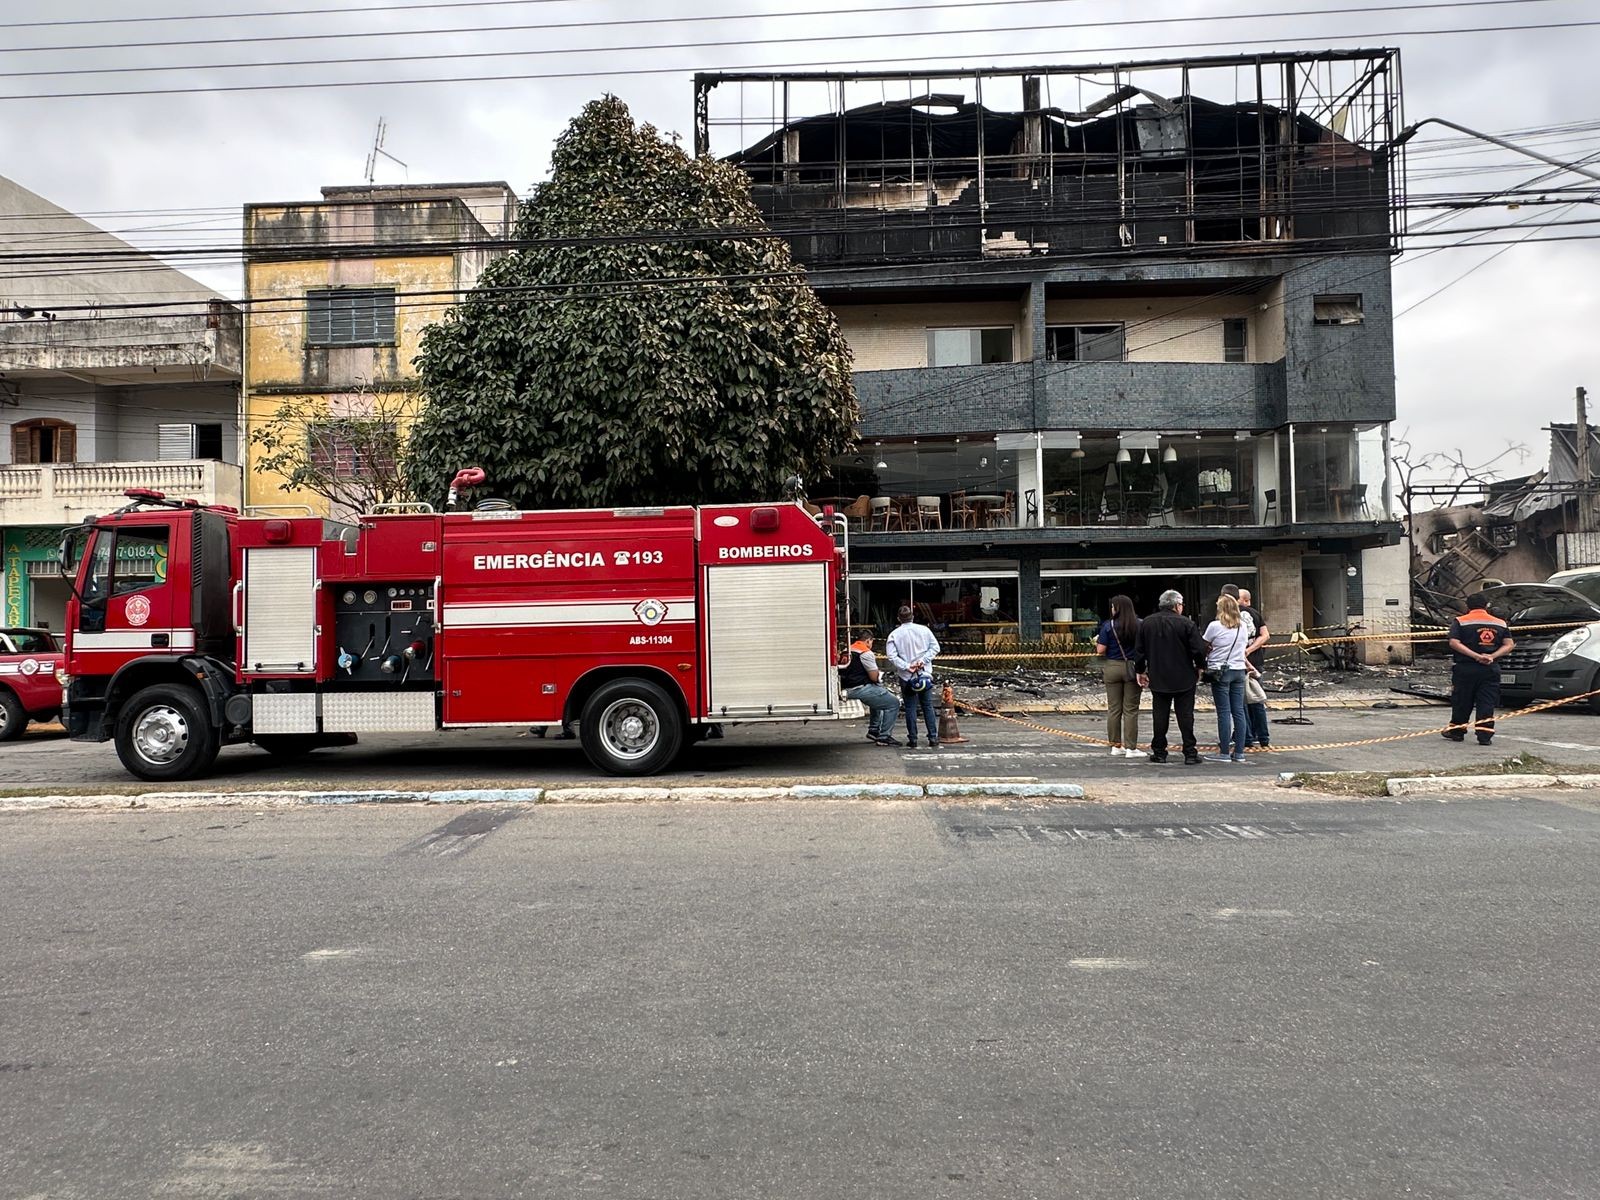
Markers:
{"x": 1487, "y": 361}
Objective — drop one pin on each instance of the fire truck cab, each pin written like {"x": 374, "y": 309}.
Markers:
{"x": 194, "y": 627}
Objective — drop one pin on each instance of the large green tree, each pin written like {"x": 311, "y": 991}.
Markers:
{"x": 600, "y": 365}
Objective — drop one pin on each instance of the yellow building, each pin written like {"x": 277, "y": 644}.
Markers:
{"x": 338, "y": 292}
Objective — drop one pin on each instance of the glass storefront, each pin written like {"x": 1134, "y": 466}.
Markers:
{"x": 1085, "y": 479}
{"x": 965, "y": 604}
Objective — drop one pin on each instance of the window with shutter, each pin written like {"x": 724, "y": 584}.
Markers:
{"x": 44, "y": 440}
{"x": 350, "y": 317}
{"x": 174, "y": 442}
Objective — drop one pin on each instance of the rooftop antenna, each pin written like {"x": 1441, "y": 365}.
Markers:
{"x": 379, "y": 152}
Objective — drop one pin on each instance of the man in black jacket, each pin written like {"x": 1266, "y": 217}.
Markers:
{"x": 1168, "y": 656}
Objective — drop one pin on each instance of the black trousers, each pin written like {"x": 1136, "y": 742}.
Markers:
{"x": 1474, "y": 691}
{"x": 1162, "y": 705}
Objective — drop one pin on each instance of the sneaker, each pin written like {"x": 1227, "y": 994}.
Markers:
{"x": 1158, "y": 758}
{"x": 1116, "y": 752}
{"x": 933, "y": 743}
{"x": 1240, "y": 761}
{"x": 1485, "y": 741}
{"x": 1133, "y": 752}
{"x": 1192, "y": 760}
{"x": 912, "y": 744}
{"x": 873, "y": 737}
{"x": 888, "y": 739}
{"x": 1454, "y": 737}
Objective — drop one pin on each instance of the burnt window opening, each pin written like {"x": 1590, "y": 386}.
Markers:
{"x": 1085, "y": 343}
{"x": 1337, "y": 309}
{"x": 969, "y": 347}
{"x": 1235, "y": 340}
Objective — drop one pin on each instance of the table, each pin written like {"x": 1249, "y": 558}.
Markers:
{"x": 983, "y": 503}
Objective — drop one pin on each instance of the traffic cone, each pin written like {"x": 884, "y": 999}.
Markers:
{"x": 949, "y": 731}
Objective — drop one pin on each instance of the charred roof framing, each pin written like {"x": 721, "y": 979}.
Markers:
{"x": 1265, "y": 153}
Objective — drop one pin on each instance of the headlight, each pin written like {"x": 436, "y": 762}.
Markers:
{"x": 62, "y": 677}
{"x": 1566, "y": 644}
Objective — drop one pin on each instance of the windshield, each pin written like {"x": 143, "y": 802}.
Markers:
{"x": 31, "y": 641}
{"x": 1587, "y": 586}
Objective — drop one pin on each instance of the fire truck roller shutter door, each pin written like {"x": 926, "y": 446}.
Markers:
{"x": 280, "y": 610}
{"x": 767, "y": 640}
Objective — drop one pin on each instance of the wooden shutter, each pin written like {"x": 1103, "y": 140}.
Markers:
{"x": 24, "y": 446}
{"x": 66, "y": 443}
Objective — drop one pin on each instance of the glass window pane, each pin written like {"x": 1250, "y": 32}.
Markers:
{"x": 994, "y": 345}
{"x": 949, "y": 347}
{"x": 141, "y": 558}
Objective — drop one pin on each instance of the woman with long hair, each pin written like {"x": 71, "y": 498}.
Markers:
{"x": 1114, "y": 644}
{"x": 1226, "y": 640}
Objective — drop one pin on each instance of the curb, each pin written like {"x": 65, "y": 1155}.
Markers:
{"x": 175, "y": 801}
{"x": 1433, "y": 785}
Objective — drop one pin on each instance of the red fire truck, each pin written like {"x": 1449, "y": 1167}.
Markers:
{"x": 194, "y": 627}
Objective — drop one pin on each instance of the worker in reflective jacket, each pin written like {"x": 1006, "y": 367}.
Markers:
{"x": 1478, "y": 641}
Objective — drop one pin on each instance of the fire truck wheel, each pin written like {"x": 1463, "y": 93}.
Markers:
{"x": 163, "y": 733}
{"x": 631, "y": 727}
{"x": 13, "y": 717}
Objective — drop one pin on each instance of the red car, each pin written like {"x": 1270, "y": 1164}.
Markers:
{"x": 29, "y": 689}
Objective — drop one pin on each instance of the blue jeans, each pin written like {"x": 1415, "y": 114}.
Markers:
{"x": 1228, "y": 695}
{"x": 1260, "y": 731}
{"x": 920, "y": 701}
{"x": 883, "y": 703}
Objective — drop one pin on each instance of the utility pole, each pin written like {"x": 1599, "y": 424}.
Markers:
{"x": 1585, "y": 467}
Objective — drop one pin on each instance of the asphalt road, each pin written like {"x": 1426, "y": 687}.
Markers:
{"x": 44, "y": 759}
{"x": 1240, "y": 1001}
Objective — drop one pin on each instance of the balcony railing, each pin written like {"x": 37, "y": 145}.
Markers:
{"x": 65, "y": 493}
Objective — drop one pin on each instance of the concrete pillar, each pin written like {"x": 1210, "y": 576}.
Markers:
{"x": 1385, "y": 605}
{"x": 1279, "y": 579}
{"x": 1030, "y": 612}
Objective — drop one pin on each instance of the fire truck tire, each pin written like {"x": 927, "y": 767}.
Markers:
{"x": 13, "y": 717}
{"x": 631, "y": 727}
{"x": 163, "y": 732}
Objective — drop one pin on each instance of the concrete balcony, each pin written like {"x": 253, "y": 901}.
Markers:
{"x": 66, "y": 493}
{"x": 1022, "y": 396}
{"x": 111, "y": 348}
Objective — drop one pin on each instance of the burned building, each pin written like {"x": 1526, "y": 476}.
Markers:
{"x": 1116, "y": 326}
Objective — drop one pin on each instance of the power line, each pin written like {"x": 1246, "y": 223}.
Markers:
{"x": 223, "y": 89}
{"x": 658, "y": 46}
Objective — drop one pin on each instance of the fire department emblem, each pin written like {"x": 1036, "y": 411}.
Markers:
{"x": 650, "y": 612}
{"x": 137, "y": 610}
{"x": 30, "y": 666}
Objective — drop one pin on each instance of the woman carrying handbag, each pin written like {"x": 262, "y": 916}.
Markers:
{"x": 1114, "y": 644}
{"x": 1226, "y": 639}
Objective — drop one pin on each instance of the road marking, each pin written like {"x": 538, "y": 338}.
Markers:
{"x": 328, "y": 952}
{"x": 1062, "y": 833}
{"x": 1106, "y": 964}
{"x": 1554, "y": 745}
{"x": 1228, "y": 914}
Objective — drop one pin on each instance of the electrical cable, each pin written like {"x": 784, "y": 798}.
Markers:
{"x": 745, "y": 70}
{"x": 655, "y": 47}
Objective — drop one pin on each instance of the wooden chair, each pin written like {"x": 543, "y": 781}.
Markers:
{"x": 860, "y": 512}
{"x": 1270, "y": 509}
{"x": 928, "y": 513}
{"x": 962, "y": 514}
{"x": 1004, "y": 513}
{"x": 885, "y": 516}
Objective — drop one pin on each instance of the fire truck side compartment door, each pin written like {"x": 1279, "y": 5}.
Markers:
{"x": 280, "y": 610}
{"x": 767, "y": 640}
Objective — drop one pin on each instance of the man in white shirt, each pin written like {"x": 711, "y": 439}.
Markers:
{"x": 912, "y": 648}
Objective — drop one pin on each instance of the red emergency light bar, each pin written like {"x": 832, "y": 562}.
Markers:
{"x": 144, "y": 494}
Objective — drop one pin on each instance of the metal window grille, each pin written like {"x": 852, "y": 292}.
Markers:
{"x": 350, "y": 317}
